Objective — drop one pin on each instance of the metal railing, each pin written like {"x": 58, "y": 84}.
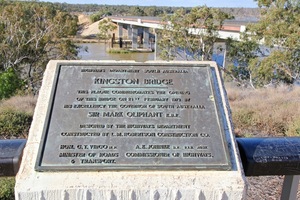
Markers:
{"x": 11, "y": 152}
{"x": 273, "y": 156}
{"x": 260, "y": 157}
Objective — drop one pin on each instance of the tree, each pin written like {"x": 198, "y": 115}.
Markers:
{"x": 153, "y": 11}
{"x": 137, "y": 11}
{"x": 30, "y": 35}
{"x": 191, "y": 35}
{"x": 278, "y": 30}
{"x": 106, "y": 26}
{"x": 240, "y": 54}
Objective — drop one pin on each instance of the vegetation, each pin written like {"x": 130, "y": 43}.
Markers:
{"x": 265, "y": 111}
{"x": 106, "y": 26}
{"x": 7, "y": 188}
{"x": 119, "y": 51}
{"x": 14, "y": 123}
{"x": 10, "y": 83}
{"x": 31, "y": 34}
{"x": 183, "y": 34}
{"x": 99, "y": 11}
{"x": 16, "y": 115}
{"x": 278, "y": 30}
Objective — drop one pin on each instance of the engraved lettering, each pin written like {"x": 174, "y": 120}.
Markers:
{"x": 112, "y": 114}
{"x": 64, "y": 146}
{"x": 72, "y": 155}
{"x": 113, "y": 81}
{"x": 144, "y": 114}
{"x": 97, "y": 161}
{"x": 158, "y": 81}
{"x": 197, "y": 155}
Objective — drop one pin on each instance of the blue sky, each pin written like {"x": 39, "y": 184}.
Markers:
{"x": 185, "y": 3}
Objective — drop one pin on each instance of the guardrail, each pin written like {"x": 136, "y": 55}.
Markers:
{"x": 260, "y": 157}
{"x": 11, "y": 152}
{"x": 273, "y": 156}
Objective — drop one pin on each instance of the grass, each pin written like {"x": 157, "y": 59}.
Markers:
{"x": 265, "y": 112}
{"x": 119, "y": 51}
{"x": 21, "y": 103}
{"x": 7, "y": 188}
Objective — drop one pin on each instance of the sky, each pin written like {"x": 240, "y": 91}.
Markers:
{"x": 173, "y": 3}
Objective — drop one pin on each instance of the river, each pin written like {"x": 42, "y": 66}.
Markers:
{"x": 97, "y": 51}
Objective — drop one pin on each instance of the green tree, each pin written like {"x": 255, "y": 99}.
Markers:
{"x": 137, "y": 11}
{"x": 153, "y": 11}
{"x": 10, "y": 83}
{"x": 31, "y": 34}
{"x": 278, "y": 30}
{"x": 106, "y": 26}
{"x": 240, "y": 54}
{"x": 193, "y": 33}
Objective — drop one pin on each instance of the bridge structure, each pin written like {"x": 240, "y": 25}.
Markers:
{"x": 137, "y": 28}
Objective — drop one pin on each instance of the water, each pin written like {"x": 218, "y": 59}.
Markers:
{"x": 97, "y": 51}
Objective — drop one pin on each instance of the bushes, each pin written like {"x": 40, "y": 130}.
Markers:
{"x": 294, "y": 128}
{"x": 7, "y": 188}
{"x": 10, "y": 83}
{"x": 14, "y": 123}
{"x": 16, "y": 115}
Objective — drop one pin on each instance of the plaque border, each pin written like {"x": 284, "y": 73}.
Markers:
{"x": 221, "y": 117}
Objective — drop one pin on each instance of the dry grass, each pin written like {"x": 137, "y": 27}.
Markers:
{"x": 262, "y": 112}
{"x": 265, "y": 112}
{"x": 20, "y": 103}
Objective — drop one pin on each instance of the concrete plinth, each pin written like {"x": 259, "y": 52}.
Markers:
{"x": 119, "y": 184}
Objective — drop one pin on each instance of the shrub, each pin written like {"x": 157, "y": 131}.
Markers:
{"x": 7, "y": 188}
{"x": 14, "y": 123}
{"x": 10, "y": 83}
{"x": 294, "y": 128}
{"x": 16, "y": 114}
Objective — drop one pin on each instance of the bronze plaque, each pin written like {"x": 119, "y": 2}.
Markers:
{"x": 134, "y": 116}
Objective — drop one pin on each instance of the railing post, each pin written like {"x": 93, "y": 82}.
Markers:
{"x": 290, "y": 187}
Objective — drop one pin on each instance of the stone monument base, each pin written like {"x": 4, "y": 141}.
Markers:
{"x": 160, "y": 185}
{"x": 133, "y": 184}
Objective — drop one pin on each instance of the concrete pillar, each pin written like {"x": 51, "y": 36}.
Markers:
{"x": 120, "y": 27}
{"x": 120, "y": 35}
{"x": 156, "y": 48}
{"x": 129, "y": 27}
{"x": 134, "y": 37}
{"x": 146, "y": 38}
